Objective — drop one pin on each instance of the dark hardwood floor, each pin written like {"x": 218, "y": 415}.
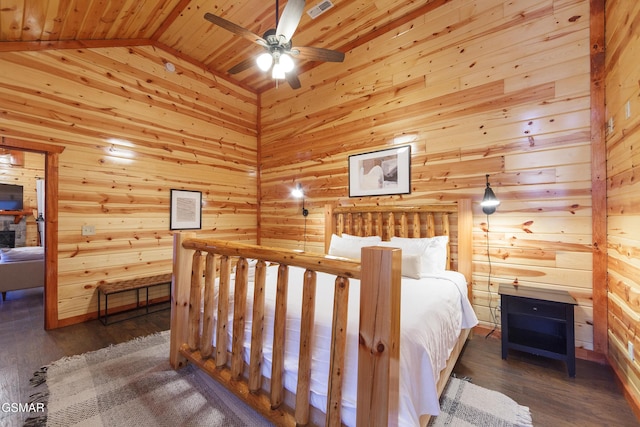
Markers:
{"x": 592, "y": 398}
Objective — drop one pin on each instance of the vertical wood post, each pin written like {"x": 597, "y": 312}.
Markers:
{"x": 379, "y": 338}
{"x": 206, "y": 347}
{"x": 195, "y": 304}
{"x": 599, "y": 178}
{"x": 465, "y": 240}
{"x": 279, "y": 337}
{"x": 329, "y": 226}
{"x": 257, "y": 327}
{"x": 180, "y": 292}
{"x": 52, "y": 164}
{"x": 306, "y": 347}
{"x": 239, "y": 313}
{"x": 223, "y": 311}
{"x": 338, "y": 346}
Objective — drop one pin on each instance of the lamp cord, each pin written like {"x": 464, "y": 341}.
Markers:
{"x": 491, "y": 309}
{"x": 305, "y": 212}
{"x": 304, "y": 242}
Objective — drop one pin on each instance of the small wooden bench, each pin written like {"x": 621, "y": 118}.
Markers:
{"x": 110, "y": 288}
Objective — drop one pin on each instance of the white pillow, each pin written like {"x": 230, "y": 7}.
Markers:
{"x": 432, "y": 251}
{"x": 412, "y": 266}
{"x": 348, "y": 246}
{"x": 411, "y": 261}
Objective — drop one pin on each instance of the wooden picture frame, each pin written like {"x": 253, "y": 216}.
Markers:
{"x": 186, "y": 210}
{"x": 380, "y": 172}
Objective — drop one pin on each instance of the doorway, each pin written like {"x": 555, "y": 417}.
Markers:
{"x": 51, "y": 166}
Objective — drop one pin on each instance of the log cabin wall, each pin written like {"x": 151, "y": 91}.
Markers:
{"x": 623, "y": 190}
{"x": 132, "y": 132}
{"x": 491, "y": 87}
{"x": 24, "y": 168}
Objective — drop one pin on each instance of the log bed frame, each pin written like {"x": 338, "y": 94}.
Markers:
{"x": 379, "y": 270}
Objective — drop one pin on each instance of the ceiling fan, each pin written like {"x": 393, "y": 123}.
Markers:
{"x": 278, "y": 45}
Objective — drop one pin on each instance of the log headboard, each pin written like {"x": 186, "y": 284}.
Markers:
{"x": 451, "y": 219}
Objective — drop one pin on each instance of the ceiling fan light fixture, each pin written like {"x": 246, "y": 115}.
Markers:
{"x": 286, "y": 62}
{"x": 277, "y": 43}
{"x": 278, "y": 71}
{"x": 264, "y": 61}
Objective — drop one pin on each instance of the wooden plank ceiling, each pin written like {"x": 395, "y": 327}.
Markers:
{"x": 178, "y": 27}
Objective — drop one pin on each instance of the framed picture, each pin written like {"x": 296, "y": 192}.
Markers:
{"x": 380, "y": 172}
{"x": 186, "y": 210}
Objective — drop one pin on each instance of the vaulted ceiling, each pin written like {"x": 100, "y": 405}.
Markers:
{"x": 179, "y": 27}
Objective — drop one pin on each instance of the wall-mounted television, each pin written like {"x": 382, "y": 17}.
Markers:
{"x": 11, "y": 197}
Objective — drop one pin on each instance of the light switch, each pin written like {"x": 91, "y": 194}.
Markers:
{"x": 627, "y": 110}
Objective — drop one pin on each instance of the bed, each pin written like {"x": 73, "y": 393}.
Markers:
{"x": 292, "y": 334}
{"x": 21, "y": 268}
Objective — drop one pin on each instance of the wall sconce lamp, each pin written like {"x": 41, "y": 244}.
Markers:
{"x": 299, "y": 194}
{"x": 489, "y": 202}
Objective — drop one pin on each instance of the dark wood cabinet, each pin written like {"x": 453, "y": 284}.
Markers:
{"x": 538, "y": 321}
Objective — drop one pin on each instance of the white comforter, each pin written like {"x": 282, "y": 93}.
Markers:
{"x": 434, "y": 310}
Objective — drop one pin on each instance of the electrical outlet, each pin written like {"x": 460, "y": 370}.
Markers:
{"x": 88, "y": 230}
{"x": 630, "y": 350}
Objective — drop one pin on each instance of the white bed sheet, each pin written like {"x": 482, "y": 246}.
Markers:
{"x": 434, "y": 310}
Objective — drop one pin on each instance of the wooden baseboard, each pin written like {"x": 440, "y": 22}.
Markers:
{"x": 631, "y": 398}
{"x": 592, "y": 356}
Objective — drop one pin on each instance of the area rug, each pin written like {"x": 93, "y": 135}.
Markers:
{"x": 132, "y": 384}
{"x": 465, "y": 404}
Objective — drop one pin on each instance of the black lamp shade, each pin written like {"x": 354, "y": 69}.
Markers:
{"x": 489, "y": 201}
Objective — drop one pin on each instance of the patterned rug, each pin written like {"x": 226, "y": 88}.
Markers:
{"x": 132, "y": 384}
{"x": 466, "y": 404}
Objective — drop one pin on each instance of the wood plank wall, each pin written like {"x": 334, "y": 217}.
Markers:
{"x": 623, "y": 189}
{"x": 491, "y": 87}
{"x": 475, "y": 87}
{"x": 132, "y": 132}
{"x": 24, "y": 170}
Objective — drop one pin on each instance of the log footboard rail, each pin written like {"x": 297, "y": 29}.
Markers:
{"x": 197, "y": 264}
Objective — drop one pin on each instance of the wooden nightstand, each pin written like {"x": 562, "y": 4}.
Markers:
{"x": 538, "y": 321}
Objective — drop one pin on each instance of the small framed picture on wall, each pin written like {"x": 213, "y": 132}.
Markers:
{"x": 380, "y": 172}
{"x": 186, "y": 210}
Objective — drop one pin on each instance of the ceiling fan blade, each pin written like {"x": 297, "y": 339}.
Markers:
{"x": 293, "y": 80}
{"x": 318, "y": 54}
{"x": 241, "y": 66}
{"x": 290, "y": 19}
{"x": 235, "y": 29}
